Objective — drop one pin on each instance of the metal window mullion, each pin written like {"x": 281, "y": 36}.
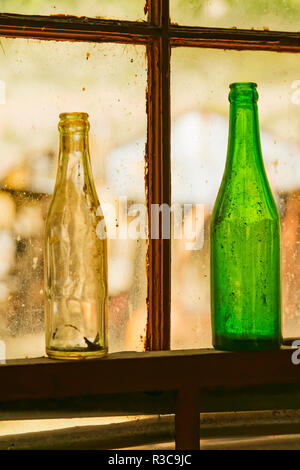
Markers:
{"x": 158, "y": 179}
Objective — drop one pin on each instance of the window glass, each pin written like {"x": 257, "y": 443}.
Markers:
{"x": 258, "y": 14}
{"x": 39, "y": 80}
{"x": 200, "y": 115}
{"x": 113, "y": 9}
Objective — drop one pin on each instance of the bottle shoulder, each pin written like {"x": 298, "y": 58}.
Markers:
{"x": 242, "y": 204}
{"x": 75, "y": 209}
{"x": 68, "y": 196}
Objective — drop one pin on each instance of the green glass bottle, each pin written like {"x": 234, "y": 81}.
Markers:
{"x": 245, "y": 239}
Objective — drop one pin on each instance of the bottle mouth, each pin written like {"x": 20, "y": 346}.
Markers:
{"x": 243, "y": 92}
{"x": 73, "y": 122}
{"x": 243, "y": 85}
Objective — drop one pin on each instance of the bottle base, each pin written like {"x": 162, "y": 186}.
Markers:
{"x": 224, "y": 343}
{"x": 75, "y": 354}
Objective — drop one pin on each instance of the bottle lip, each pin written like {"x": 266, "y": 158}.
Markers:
{"x": 74, "y": 115}
{"x": 73, "y": 122}
{"x": 243, "y": 85}
{"x": 243, "y": 93}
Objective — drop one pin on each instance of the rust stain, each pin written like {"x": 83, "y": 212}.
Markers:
{"x": 88, "y": 55}
{"x": 237, "y": 44}
{"x": 146, "y": 7}
{"x": 146, "y": 173}
{"x": 147, "y": 341}
{"x": 158, "y": 321}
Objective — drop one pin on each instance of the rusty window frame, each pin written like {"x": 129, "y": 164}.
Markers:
{"x": 159, "y": 35}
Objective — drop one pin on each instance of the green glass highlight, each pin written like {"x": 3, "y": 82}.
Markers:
{"x": 245, "y": 239}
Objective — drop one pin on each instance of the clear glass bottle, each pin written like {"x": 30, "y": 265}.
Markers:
{"x": 75, "y": 252}
{"x": 245, "y": 239}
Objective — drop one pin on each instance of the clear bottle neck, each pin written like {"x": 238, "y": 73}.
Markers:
{"x": 74, "y": 144}
{"x": 74, "y": 158}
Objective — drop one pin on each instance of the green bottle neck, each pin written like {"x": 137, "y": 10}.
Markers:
{"x": 244, "y": 148}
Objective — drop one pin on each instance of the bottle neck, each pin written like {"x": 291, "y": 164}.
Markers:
{"x": 244, "y": 147}
{"x": 74, "y": 159}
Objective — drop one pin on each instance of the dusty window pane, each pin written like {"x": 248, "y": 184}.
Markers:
{"x": 39, "y": 80}
{"x": 199, "y": 144}
{"x": 114, "y": 9}
{"x": 267, "y": 14}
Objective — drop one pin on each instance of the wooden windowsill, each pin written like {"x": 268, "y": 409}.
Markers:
{"x": 181, "y": 382}
{"x": 129, "y": 372}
